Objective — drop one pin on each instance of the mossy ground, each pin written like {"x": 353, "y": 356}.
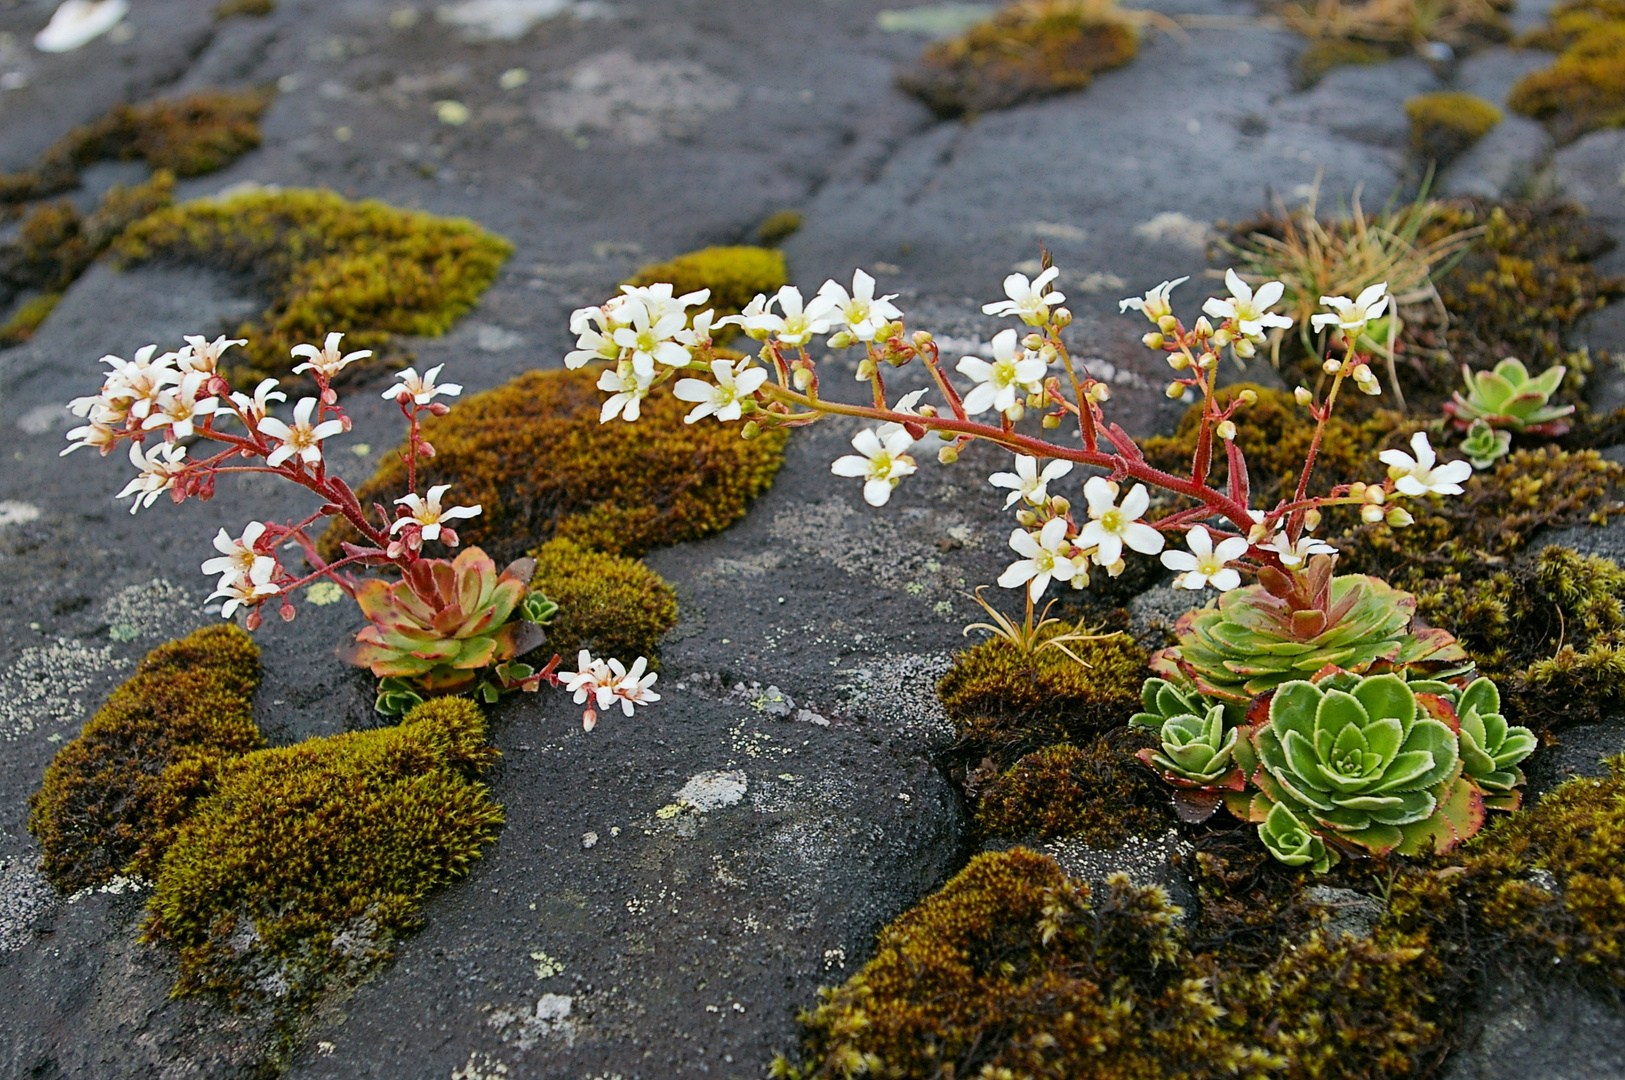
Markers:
{"x": 189, "y": 136}
{"x": 367, "y": 269}
{"x": 1585, "y": 88}
{"x": 733, "y": 274}
{"x": 1446, "y": 125}
{"x": 308, "y": 860}
{"x": 1375, "y": 31}
{"x": 534, "y": 455}
{"x": 1098, "y": 792}
{"x": 1029, "y": 49}
{"x": 608, "y": 604}
{"x": 112, "y": 798}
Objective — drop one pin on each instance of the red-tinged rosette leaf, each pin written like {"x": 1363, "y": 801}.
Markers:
{"x": 1251, "y": 807}
{"x": 445, "y": 679}
{"x": 1258, "y": 710}
{"x": 524, "y": 636}
{"x": 1440, "y": 709}
{"x": 401, "y": 665}
{"x": 448, "y": 620}
{"x": 1508, "y": 802}
{"x": 1196, "y": 805}
{"x": 1459, "y": 816}
{"x": 419, "y": 607}
{"x": 475, "y": 653}
{"x": 437, "y": 650}
{"x": 374, "y": 599}
{"x": 1551, "y": 429}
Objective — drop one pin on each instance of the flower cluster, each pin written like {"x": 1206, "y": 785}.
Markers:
{"x": 603, "y": 682}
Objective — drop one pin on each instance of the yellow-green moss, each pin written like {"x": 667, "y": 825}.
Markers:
{"x": 1003, "y": 702}
{"x": 27, "y": 319}
{"x": 257, "y": 9}
{"x": 533, "y": 454}
{"x": 307, "y": 860}
{"x": 608, "y": 604}
{"x": 367, "y": 269}
{"x": 112, "y": 797}
{"x": 778, "y": 227}
{"x": 56, "y": 243}
{"x": 1320, "y": 57}
{"x": 1029, "y": 49}
{"x": 1445, "y": 125}
{"x": 1519, "y": 290}
{"x": 733, "y": 274}
{"x": 1274, "y": 435}
{"x": 1585, "y": 88}
{"x": 1099, "y": 792}
{"x": 188, "y": 137}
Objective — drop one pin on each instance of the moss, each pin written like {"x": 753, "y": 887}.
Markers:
{"x": 1446, "y": 125}
{"x": 778, "y": 227}
{"x": 112, "y": 797}
{"x": 1099, "y": 792}
{"x": 55, "y": 243}
{"x": 366, "y": 268}
{"x": 257, "y": 9}
{"x": 1004, "y": 702}
{"x": 1521, "y": 289}
{"x": 1585, "y": 88}
{"x": 533, "y": 454}
{"x": 28, "y": 317}
{"x": 307, "y": 860}
{"x": 1274, "y": 434}
{"x": 190, "y": 136}
{"x": 608, "y": 604}
{"x": 733, "y": 274}
{"x": 1029, "y": 49}
{"x": 1326, "y": 55}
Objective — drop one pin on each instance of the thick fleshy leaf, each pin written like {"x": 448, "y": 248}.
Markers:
{"x": 1413, "y": 806}
{"x": 1387, "y": 695}
{"x": 1481, "y": 697}
{"x": 1518, "y": 744}
{"x": 1377, "y": 839}
{"x": 1432, "y": 736}
{"x": 1458, "y": 816}
{"x": 1338, "y": 710}
{"x": 1406, "y": 772}
{"x": 476, "y": 653}
{"x": 1293, "y": 708}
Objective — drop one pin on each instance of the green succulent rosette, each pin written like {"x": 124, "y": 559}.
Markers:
{"x": 1373, "y": 768}
{"x": 1292, "y": 842}
{"x": 1507, "y": 397}
{"x": 1197, "y": 752}
{"x": 1490, "y": 748}
{"x": 444, "y": 623}
{"x": 1251, "y": 642}
{"x": 1484, "y": 445}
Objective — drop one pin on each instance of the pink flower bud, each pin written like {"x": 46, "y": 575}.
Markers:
{"x": 589, "y": 719}
{"x": 439, "y": 408}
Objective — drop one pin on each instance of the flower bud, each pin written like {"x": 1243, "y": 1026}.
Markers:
{"x": 948, "y": 454}
{"x": 330, "y": 396}
{"x": 1031, "y": 342}
{"x": 1026, "y": 518}
{"x": 802, "y": 378}
{"x": 750, "y": 430}
{"x": 1311, "y": 519}
{"x": 1116, "y": 569}
{"x": 1303, "y": 396}
{"x": 1258, "y": 533}
{"x": 1221, "y": 337}
{"x": 1245, "y": 349}
{"x": 1153, "y": 340}
{"x": 922, "y": 338}
{"x": 1203, "y": 328}
{"x": 756, "y": 333}
{"x": 1375, "y": 495}
{"x": 1062, "y": 318}
{"x": 841, "y": 339}
{"x": 1371, "y": 514}
{"x": 1175, "y": 390}
{"x": 1048, "y": 353}
{"x": 1052, "y": 421}
{"x": 1248, "y": 397}
{"x": 345, "y": 420}
{"x": 1399, "y": 517}
{"x": 1060, "y": 504}
{"x": 1373, "y": 388}
{"x": 1099, "y": 392}
{"x": 928, "y": 410}
{"x": 1332, "y": 367}
{"x": 1016, "y": 412}
{"x": 1207, "y": 360}
{"x": 1179, "y": 361}
{"x": 866, "y": 369}
{"x": 1167, "y": 324}
{"x": 1226, "y": 430}
{"x": 426, "y": 448}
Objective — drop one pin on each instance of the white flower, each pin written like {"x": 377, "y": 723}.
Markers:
{"x": 139, "y": 381}
{"x": 591, "y": 344}
{"x": 1111, "y": 526}
{"x": 239, "y": 559}
{"x": 420, "y": 390}
{"x": 725, "y": 399}
{"x": 1028, "y": 300}
{"x": 303, "y": 439}
{"x": 158, "y": 472}
{"x": 1250, "y": 310}
{"x": 1013, "y": 372}
{"x": 1294, "y": 554}
{"x": 247, "y": 591}
{"x": 861, "y": 311}
{"x": 650, "y": 339}
{"x": 1204, "y": 564}
{"x": 326, "y": 361}
{"x": 797, "y": 324}
{"x": 1027, "y": 482}
{"x": 429, "y": 513}
{"x": 95, "y": 434}
{"x": 699, "y": 332}
{"x": 1048, "y": 556}
{"x": 884, "y": 463}
{"x": 658, "y": 301}
{"x": 203, "y": 354}
{"x": 1155, "y": 303}
{"x": 633, "y": 687}
{"x": 628, "y": 389}
{"x": 907, "y": 404}
{"x": 77, "y": 22}
{"x": 258, "y": 407}
{"x": 177, "y": 408}
{"x": 1351, "y": 316}
{"x": 1417, "y": 476}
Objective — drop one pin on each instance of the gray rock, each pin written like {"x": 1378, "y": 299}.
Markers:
{"x": 1503, "y": 164}
{"x": 1591, "y": 171}
{"x": 1153, "y": 613}
{"x": 1526, "y": 1027}
{"x": 1491, "y": 73}
{"x": 1146, "y": 860}
{"x": 1365, "y": 102}
{"x": 1578, "y": 751}
{"x": 1349, "y": 913}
